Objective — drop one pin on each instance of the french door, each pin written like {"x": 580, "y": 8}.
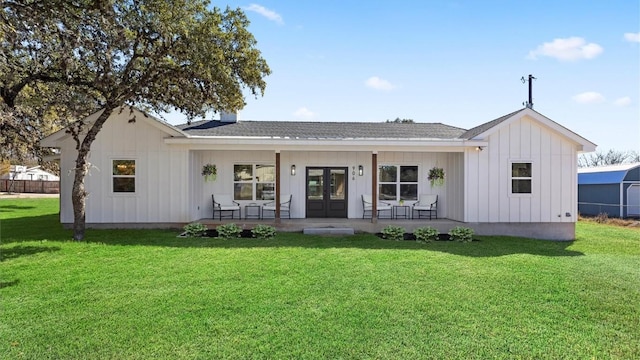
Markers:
{"x": 326, "y": 192}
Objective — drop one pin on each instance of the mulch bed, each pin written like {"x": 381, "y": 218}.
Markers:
{"x": 213, "y": 233}
{"x": 247, "y": 234}
{"x": 412, "y": 237}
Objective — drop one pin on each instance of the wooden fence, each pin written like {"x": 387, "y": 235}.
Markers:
{"x": 30, "y": 186}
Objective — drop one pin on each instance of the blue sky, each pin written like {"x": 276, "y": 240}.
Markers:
{"x": 455, "y": 62}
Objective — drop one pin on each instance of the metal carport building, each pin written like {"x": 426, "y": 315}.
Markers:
{"x": 614, "y": 190}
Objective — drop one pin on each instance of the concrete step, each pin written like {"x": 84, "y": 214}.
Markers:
{"x": 328, "y": 231}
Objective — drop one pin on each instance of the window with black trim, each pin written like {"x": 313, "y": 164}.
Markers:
{"x": 124, "y": 176}
{"x": 254, "y": 181}
{"x": 521, "y": 174}
{"x": 397, "y": 182}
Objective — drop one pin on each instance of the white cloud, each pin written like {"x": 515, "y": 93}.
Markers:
{"x": 569, "y": 49}
{"x": 632, "y": 37}
{"x": 304, "y": 113}
{"x": 269, "y": 14}
{"x": 377, "y": 83}
{"x": 623, "y": 101}
{"x": 589, "y": 97}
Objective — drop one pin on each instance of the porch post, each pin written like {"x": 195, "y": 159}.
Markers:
{"x": 277, "y": 199}
{"x": 374, "y": 187}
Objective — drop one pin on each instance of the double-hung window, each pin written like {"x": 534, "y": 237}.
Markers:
{"x": 398, "y": 182}
{"x": 521, "y": 176}
{"x": 124, "y": 176}
{"x": 254, "y": 182}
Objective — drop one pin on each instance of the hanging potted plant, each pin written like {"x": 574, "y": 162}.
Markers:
{"x": 209, "y": 171}
{"x": 436, "y": 176}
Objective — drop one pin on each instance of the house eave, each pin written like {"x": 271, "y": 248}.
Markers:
{"x": 346, "y": 144}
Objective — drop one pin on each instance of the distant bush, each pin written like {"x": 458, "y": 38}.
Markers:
{"x": 426, "y": 234}
{"x": 461, "y": 234}
{"x": 392, "y": 232}
{"x": 262, "y": 231}
{"x": 602, "y": 218}
{"x": 195, "y": 229}
{"x": 229, "y": 231}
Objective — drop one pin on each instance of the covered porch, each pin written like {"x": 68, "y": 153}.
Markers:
{"x": 396, "y": 176}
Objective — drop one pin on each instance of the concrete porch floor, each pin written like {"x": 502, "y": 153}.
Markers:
{"x": 358, "y": 225}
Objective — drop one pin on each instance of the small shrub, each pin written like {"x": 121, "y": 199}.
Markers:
{"x": 461, "y": 234}
{"x": 426, "y": 234}
{"x": 393, "y": 232}
{"x": 229, "y": 231}
{"x": 195, "y": 229}
{"x": 602, "y": 218}
{"x": 262, "y": 231}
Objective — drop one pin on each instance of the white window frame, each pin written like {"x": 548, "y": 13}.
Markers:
{"x": 114, "y": 176}
{"x": 530, "y": 178}
{"x": 397, "y": 182}
{"x": 254, "y": 181}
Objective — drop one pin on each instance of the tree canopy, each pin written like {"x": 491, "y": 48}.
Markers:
{"x": 400, "y": 121}
{"x": 67, "y": 59}
{"x": 611, "y": 157}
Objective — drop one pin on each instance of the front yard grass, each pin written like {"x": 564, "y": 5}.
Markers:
{"x": 138, "y": 294}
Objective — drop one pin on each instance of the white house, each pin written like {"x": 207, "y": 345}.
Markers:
{"x": 515, "y": 175}
{"x": 21, "y": 172}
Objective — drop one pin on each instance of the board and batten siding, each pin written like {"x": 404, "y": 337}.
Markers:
{"x": 554, "y": 182}
{"x": 161, "y": 175}
{"x": 454, "y": 180}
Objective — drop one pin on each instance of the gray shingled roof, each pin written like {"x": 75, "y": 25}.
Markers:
{"x": 470, "y": 134}
{"x": 323, "y": 130}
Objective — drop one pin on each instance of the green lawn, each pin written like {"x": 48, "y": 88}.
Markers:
{"x": 140, "y": 294}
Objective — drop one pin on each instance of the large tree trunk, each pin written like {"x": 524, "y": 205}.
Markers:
{"x": 78, "y": 193}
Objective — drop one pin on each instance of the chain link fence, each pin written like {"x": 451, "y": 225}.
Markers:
{"x": 612, "y": 210}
